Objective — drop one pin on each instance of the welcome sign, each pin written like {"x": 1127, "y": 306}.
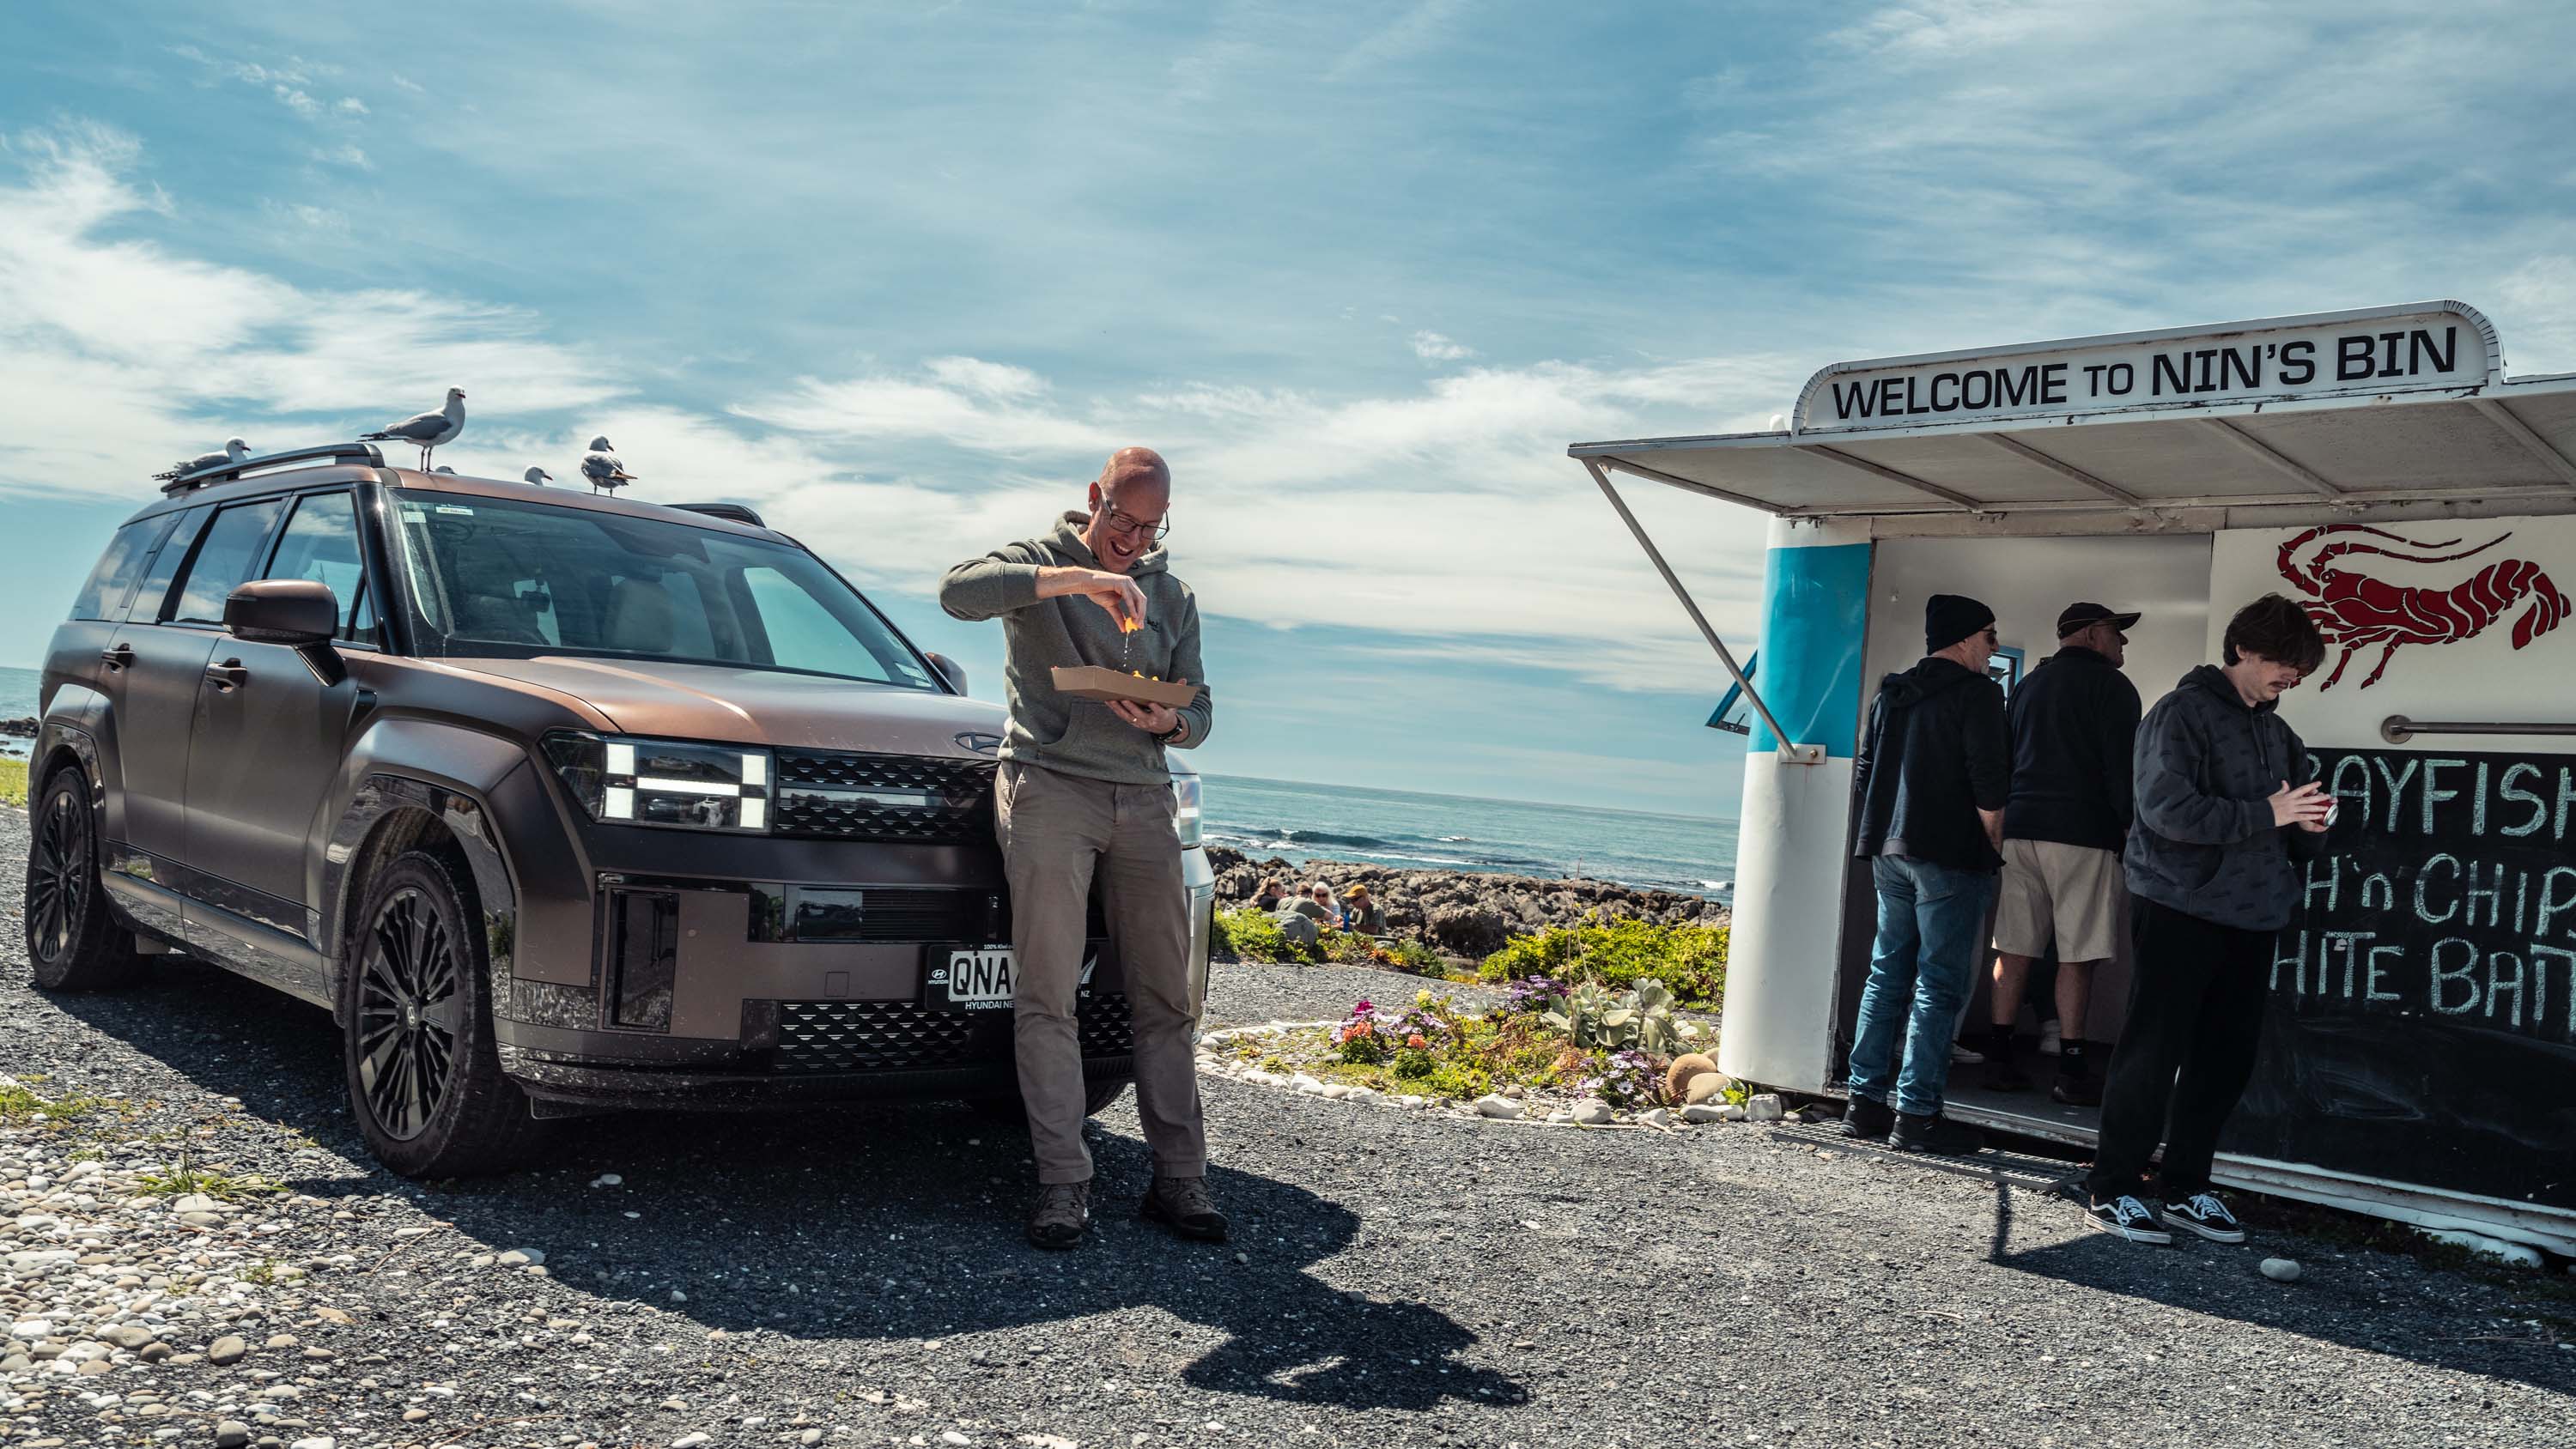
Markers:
{"x": 2437, "y": 346}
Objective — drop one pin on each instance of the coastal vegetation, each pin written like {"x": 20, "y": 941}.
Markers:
{"x": 1253, "y": 935}
{"x": 13, "y": 782}
{"x": 1688, "y": 958}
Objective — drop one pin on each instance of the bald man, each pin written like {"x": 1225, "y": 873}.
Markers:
{"x": 1085, "y": 789}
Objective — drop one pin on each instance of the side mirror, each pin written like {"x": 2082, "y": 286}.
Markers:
{"x": 950, "y": 671}
{"x": 298, "y": 613}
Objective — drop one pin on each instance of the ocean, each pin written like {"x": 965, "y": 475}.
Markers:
{"x": 1401, "y": 828}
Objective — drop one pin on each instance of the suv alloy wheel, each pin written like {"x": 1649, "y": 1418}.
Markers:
{"x": 72, "y": 941}
{"x": 416, "y": 1028}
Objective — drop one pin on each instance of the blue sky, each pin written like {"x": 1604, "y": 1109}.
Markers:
{"x": 902, "y": 275}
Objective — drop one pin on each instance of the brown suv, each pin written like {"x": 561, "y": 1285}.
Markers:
{"x": 559, "y": 803}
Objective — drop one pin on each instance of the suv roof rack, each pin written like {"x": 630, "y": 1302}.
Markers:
{"x": 366, "y": 453}
{"x": 738, "y": 512}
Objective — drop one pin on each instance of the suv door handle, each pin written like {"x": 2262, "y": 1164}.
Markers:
{"x": 117, "y": 658}
{"x": 227, "y": 676}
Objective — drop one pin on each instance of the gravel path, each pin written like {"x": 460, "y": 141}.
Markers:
{"x": 1396, "y": 1278}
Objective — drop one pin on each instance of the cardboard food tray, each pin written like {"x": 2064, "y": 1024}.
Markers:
{"x": 1090, "y": 681}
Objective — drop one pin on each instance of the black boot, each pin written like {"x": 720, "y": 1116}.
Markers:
{"x": 1867, "y": 1120}
{"x": 2075, "y": 1086}
{"x": 2003, "y": 1074}
{"x": 1935, "y": 1134}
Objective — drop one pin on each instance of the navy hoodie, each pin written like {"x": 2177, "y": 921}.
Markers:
{"x": 1932, "y": 756}
{"x": 2203, "y": 842}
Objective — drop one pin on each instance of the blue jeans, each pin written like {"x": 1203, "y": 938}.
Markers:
{"x": 1929, "y": 918}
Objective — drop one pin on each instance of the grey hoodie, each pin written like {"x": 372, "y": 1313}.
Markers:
{"x": 2203, "y": 841}
{"x": 1081, "y": 736}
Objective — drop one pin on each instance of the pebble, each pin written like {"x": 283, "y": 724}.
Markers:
{"x": 607, "y": 1179}
{"x": 692, "y": 1441}
{"x": 231, "y": 1434}
{"x": 227, "y": 1349}
{"x": 414, "y": 1415}
{"x": 318, "y": 1441}
{"x": 810, "y": 1436}
{"x": 1704, "y": 1112}
{"x": 1335, "y": 1090}
{"x": 1501, "y": 1107}
{"x": 1763, "y": 1107}
{"x": 2282, "y": 1270}
{"x": 196, "y": 1202}
{"x": 1592, "y": 1113}
{"x": 522, "y": 1257}
{"x": 1657, "y": 1117}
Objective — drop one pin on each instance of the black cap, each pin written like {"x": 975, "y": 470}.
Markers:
{"x": 1949, "y": 618}
{"x": 2077, "y": 616}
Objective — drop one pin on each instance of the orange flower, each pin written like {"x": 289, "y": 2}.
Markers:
{"x": 1415, "y": 1041}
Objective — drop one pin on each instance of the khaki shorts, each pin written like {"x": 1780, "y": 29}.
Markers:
{"x": 2050, "y": 887}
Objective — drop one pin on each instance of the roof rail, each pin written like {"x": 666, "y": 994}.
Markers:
{"x": 738, "y": 512}
{"x": 366, "y": 453}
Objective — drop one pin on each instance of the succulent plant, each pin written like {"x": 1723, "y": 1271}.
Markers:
{"x": 1640, "y": 1019}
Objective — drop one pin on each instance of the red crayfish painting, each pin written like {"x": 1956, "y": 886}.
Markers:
{"x": 2354, "y": 610}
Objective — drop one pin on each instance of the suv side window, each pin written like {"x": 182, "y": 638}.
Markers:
{"x": 120, "y": 568}
{"x": 321, "y": 544}
{"x": 165, "y": 566}
{"x": 230, "y": 554}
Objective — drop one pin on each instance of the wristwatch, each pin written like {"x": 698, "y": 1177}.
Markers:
{"x": 1174, "y": 733}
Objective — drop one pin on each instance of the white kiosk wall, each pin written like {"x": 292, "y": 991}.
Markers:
{"x": 2027, "y": 581}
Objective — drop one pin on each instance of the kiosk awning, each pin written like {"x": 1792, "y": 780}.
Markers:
{"x": 2379, "y": 410}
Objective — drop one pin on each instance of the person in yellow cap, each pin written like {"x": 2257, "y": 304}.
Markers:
{"x": 1361, "y": 914}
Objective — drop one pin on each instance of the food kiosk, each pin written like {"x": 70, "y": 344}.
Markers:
{"x": 2378, "y": 465}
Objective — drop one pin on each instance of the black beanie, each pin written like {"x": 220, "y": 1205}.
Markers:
{"x": 1949, "y": 618}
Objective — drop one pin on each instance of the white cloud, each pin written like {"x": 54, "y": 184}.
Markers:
{"x": 1432, "y": 347}
{"x": 405, "y": 82}
{"x": 353, "y": 106}
{"x": 297, "y": 101}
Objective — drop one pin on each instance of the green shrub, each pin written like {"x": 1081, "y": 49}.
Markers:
{"x": 1255, "y": 936}
{"x": 1691, "y": 959}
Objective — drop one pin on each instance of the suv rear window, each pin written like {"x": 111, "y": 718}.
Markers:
{"x": 499, "y": 578}
{"x": 230, "y": 555}
{"x": 112, "y": 583}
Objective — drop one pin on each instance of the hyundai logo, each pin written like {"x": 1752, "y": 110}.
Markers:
{"x": 978, "y": 741}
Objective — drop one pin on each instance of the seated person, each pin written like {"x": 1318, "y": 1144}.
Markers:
{"x": 1361, "y": 914}
{"x": 1268, "y": 896}
{"x": 1315, "y": 903}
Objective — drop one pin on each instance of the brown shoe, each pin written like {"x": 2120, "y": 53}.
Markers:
{"x": 1183, "y": 1205}
{"x": 1062, "y": 1214}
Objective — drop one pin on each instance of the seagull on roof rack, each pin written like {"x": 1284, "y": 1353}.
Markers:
{"x": 538, "y": 476}
{"x": 443, "y": 468}
{"x": 428, "y": 431}
{"x": 601, "y": 467}
{"x": 234, "y": 451}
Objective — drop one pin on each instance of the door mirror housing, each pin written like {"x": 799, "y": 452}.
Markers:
{"x": 298, "y": 613}
{"x": 950, "y": 671}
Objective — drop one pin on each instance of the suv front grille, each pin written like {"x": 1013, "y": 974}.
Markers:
{"x": 828, "y": 795}
{"x": 865, "y": 1036}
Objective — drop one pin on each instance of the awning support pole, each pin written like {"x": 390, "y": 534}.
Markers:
{"x": 1790, "y": 753}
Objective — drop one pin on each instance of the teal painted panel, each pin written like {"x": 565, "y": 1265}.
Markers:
{"x": 1815, "y": 618}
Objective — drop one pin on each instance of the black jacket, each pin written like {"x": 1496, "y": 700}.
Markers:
{"x": 1932, "y": 756}
{"x": 2204, "y": 842}
{"x": 2073, "y": 722}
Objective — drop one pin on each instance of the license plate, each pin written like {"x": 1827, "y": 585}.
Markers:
{"x": 971, "y": 979}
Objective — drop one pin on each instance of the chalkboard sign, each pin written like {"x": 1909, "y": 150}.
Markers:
{"x": 2422, "y": 1025}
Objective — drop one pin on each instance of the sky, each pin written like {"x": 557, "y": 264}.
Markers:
{"x": 902, "y": 275}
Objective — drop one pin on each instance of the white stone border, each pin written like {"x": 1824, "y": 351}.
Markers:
{"x": 1591, "y": 1115}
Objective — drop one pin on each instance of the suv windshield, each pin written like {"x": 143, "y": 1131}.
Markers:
{"x": 490, "y": 577}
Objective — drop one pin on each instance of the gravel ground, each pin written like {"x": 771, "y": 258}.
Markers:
{"x": 1396, "y": 1277}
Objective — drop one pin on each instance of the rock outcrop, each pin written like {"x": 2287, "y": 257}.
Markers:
{"x": 1460, "y": 912}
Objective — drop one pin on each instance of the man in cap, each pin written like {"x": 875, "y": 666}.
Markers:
{"x": 1931, "y": 780}
{"x": 2072, "y": 722}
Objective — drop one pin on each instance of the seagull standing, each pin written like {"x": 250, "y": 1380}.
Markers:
{"x": 428, "y": 431}
{"x": 234, "y": 451}
{"x": 602, "y": 468}
{"x": 538, "y": 476}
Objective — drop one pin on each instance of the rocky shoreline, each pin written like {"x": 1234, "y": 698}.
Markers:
{"x": 1465, "y": 913}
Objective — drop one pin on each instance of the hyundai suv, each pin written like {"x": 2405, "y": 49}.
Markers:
{"x": 558, "y": 802}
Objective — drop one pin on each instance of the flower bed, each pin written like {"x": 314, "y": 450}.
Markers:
{"x": 1554, "y": 1050}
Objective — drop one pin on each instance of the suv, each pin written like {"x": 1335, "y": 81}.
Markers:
{"x": 559, "y": 803}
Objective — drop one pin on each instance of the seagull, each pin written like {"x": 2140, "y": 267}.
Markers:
{"x": 234, "y": 451}
{"x": 429, "y": 430}
{"x": 538, "y": 476}
{"x": 443, "y": 468}
{"x": 602, "y": 468}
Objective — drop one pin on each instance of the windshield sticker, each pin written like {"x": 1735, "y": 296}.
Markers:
{"x": 456, "y": 508}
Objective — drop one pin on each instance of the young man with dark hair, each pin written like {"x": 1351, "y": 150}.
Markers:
{"x": 2074, "y": 722}
{"x": 1931, "y": 778}
{"x": 2224, "y": 800}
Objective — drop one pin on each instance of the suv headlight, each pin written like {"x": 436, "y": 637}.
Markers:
{"x": 1185, "y": 792}
{"x": 682, "y": 784}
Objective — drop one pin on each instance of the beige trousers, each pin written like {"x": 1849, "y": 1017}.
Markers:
{"x": 1056, "y": 830}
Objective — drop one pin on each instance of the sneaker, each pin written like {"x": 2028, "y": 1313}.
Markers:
{"x": 2076, "y": 1091}
{"x": 2003, "y": 1076}
{"x": 1935, "y": 1134}
{"x": 1867, "y": 1120}
{"x": 1964, "y": 1055}
{"x": 1061, "y": 1215}
{"x": 1183, "y": 1205}
{"x": 2127, "y": 1216}
{"x": 2204, "y": 1214}
{"x": 2048, "y": 1038}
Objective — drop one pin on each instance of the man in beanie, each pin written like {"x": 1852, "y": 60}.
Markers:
{"x": 1930, "y": 780}
{"x": 2072, "y": 722}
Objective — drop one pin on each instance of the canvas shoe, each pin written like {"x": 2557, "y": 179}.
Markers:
{"x": 2127, "y": 1216}
{"x": 1183, "y": 1205}
{"x": 2204, "y": 1214}
{"x": 2048, "y": 1038}
{"x": 1964, "y": 1055}
{"x": 1061, "y": 1214}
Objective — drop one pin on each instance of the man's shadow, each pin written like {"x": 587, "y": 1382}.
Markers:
{"x": 867, "y": 1224}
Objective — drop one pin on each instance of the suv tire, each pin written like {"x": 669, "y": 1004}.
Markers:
{"x": 424, "y": 1082}
{"x": 73, "y": 941}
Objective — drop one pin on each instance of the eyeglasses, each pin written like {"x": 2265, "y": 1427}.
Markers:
{"x": 1126, "y": 525}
